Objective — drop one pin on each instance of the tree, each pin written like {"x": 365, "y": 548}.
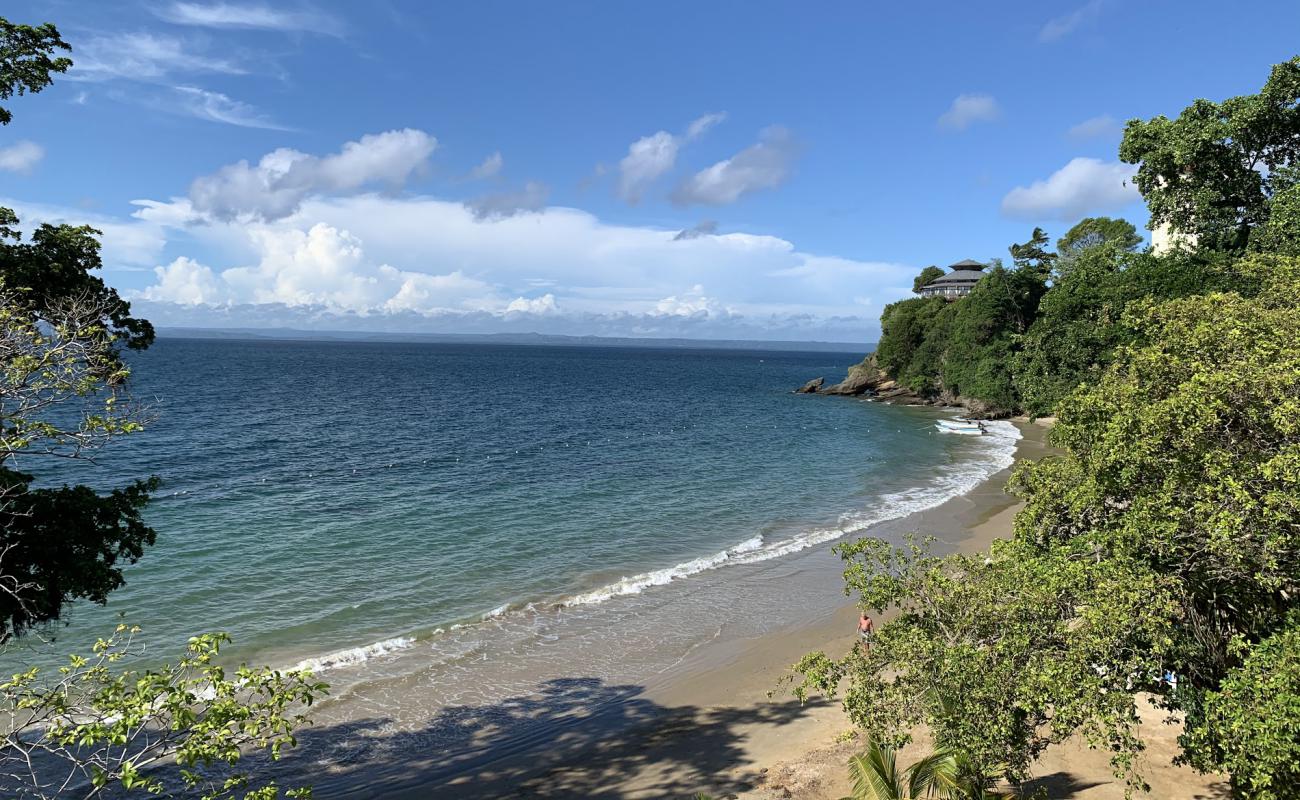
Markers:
{"x": 1095, "y": 232}
{"x": 27, "y": 60}
{"x": 1166, "y": 535}
{"x": 1033, "y": 255}
{"x": 1078, "y": 329}
{"x": 927, "y": 275}
{"x": 98, "y": 728}
{"x": 1213, "y": 171}
{"x": 62, "y": 395}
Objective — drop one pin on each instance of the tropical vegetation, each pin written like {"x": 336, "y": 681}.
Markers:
{"x": 1158, "y": 551}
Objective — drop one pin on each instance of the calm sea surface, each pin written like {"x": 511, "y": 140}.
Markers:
{"x": 393, "y": 514}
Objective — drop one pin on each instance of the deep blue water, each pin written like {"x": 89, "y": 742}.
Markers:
{"x": 322, "y": 497}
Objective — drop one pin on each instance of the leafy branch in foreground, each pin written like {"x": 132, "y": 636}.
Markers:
{"x": 100, "y": 726}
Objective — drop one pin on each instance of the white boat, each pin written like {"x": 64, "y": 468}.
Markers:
{"x": 969, "y": 427}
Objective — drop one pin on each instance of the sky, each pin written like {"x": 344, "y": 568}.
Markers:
{"x": 716, "y": 170}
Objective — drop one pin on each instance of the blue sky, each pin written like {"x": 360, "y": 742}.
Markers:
{"x": 710, "y": 169}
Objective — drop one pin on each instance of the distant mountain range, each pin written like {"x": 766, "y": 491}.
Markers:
{"x": 535, "y": 339}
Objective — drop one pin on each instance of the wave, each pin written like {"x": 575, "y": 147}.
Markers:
{"x": 998, "y": 446}
{"x": 354, "y": 655}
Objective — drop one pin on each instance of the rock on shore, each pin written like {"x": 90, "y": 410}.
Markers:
{"x": 865, "y": 379}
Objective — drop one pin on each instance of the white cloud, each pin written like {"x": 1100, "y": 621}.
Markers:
{"x": 538, "y": 305}
{"x": 144, "y": 57}
{"x": 1081, "y": 187}
{"x": 647, "y": 158}
{"x": 217, "y": 107}
{"x": 377, "y": 256}
{"x": 490, "y": 168}
{"x": 127, "y": 244}
{"x": 1094, "y": 128}
{"x": 230, "y": 15}
{"x": 283, "y": 178}
{"x": 764, "y": 165}
{"x": 1062, "y": 26}
{"x": 321, "y": 267}
{"x": 21, "y": 156}
{"x": 701, "y": 126}
{"x": 693, "y": 303}
{"x": 968, "y": 109}
{"x": 500, "y": 205}
{"x": 650, "y": 157}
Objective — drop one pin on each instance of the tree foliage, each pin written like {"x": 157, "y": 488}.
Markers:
{"x": 1214, "y": 171}
{"x": 1165, "y": 536}
{"x": 28, "y": 58}
{"x": 63, "y": 394}
{"x": 927, "y": 275}
{"x": 101, "y": 725}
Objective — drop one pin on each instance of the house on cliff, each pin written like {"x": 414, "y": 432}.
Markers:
{"x": 960, "y": 279}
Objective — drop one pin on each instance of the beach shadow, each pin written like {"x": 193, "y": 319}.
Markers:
{"x": 1058, "y": 785}
{"x": 573, "y": 737}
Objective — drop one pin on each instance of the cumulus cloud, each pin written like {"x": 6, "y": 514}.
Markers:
{"x": 230, "y": 15}
{"x": 1064, "y": 25}
{"x": 500, "y": 205}
{"x": 1081, "y": 187}
{"x": 765, "y": 165}
{"x": 968, "y": 109}
{"x": 538, "y": 305}
{"x": 650, "y": 157}
{"x": 490, "y": 168}
{"x": 319, "y": 267}
{"x": 380, "y": 256}
{"x": 144, "y": 56}
{"x": 693, "y": 303}
{"x": 1094, "y": 128}
{"x": 276, "y": 186}
{"x": 705, "y": 227}
{"x": 21, "y": 156}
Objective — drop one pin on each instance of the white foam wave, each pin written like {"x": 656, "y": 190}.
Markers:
{"x": 997, "y": 452}
{"x": 354, "y": 655}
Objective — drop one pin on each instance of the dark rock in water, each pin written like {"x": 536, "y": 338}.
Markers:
{"x": 811, "y": 387}
{"x": 863, "y": 378}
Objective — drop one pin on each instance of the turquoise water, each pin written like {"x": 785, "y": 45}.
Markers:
{"x": 332, "y": 503}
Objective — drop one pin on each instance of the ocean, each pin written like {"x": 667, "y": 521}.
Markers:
{"x": 429, "y": 525}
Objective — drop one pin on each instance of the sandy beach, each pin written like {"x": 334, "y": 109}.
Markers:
{"x": 724, "y": 726}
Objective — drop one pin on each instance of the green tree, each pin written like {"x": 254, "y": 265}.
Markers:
{"x": 1033, "y": 255}
{"x": 1096, "y": 232}
{"x": 1166, "y": 535}
{"x": 927, "y": 275}
{"x": 1213, "y": 171}
{"x": 62, "y": 395}
{"x": 28, "y": 59}
{"x": 1079, "y": 328}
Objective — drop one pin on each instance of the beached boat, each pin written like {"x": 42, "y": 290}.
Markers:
{"x": 970, "y": 427}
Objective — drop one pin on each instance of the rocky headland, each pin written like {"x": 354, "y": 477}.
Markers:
{"x": 866, "y": 379}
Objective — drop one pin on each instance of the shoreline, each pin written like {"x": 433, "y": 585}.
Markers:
{"x": 722, "y": 724}
{"x": 705, "y": 725}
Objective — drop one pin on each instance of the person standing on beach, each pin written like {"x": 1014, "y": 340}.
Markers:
{"x": 866, "y": 628}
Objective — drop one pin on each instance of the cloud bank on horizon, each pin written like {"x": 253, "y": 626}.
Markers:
{"x": 382, "y": 229}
